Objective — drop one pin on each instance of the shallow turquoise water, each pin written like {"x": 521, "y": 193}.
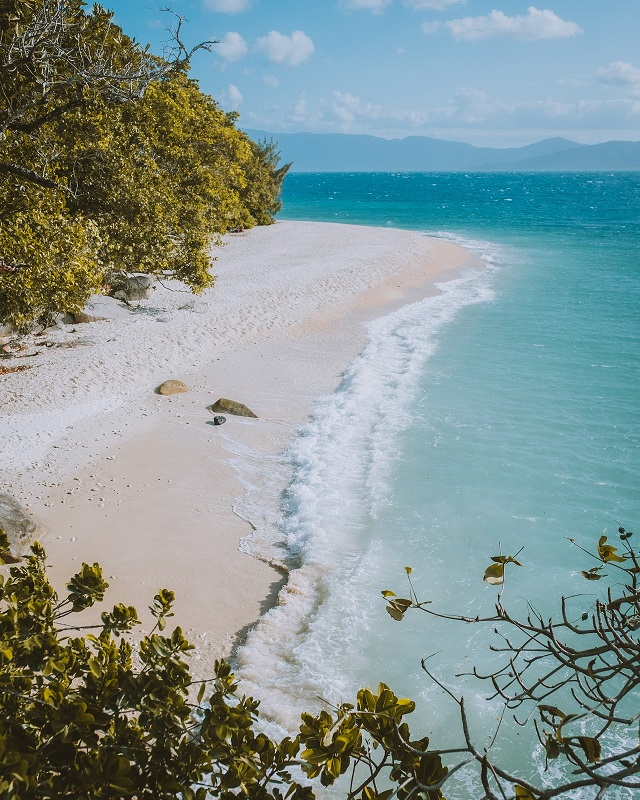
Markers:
{"x": 503, "y": 414}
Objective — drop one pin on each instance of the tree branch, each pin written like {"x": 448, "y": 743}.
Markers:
{"x": 30, "y": 175}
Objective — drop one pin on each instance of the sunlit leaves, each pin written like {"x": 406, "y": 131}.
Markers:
{"x": 56, "y": 255}
{"x": 111, "y": 160}
{"x": 494, "y": 574}
{"x": 161, "y": 606}
{"x": 87, "y": 587}
{"x": 607, "y": 552}
{"x": 332, "y": 744}
{"x": 121, "y": 618}
{"x": 78, "y": 720}
{"x": 396, "y": 606}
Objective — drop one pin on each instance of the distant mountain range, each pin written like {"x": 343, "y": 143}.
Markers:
{"x": 337, "y": 152}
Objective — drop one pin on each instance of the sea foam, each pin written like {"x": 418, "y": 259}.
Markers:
{"x": 302, "y": 648}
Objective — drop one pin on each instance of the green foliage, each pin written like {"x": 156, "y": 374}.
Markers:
{"x": 79, "y": 720}
{"x": 48, "y": 259}
{"x": 91, "y": 716}
{"x": 159, "y": 178}
{"x": 336, "y": 746}
{"x": 264, "y": 177}
{"x": 111, "y": 160}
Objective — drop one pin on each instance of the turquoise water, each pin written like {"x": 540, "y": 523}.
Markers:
{"x": 502, "y": 414}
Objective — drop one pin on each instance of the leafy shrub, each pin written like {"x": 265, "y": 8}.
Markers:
{"x": 89, "y": 716}
{"x": 48, "y": 259}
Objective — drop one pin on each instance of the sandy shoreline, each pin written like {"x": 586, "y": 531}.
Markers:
{"x": 145, "y": 484}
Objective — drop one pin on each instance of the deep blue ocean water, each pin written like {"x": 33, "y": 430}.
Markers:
{"x": 502, "y": 414}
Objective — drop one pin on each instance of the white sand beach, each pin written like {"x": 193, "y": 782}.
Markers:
{"x": 145, "y": 484}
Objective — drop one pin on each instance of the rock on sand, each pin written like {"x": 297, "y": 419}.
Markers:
{"x": 172, "y": 387}
{"x": 21, "y": 528}
{"x": 232, "y": 407}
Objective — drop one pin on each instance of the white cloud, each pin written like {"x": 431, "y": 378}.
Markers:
{"x": 232, "y": 48}
{"x": 282, "y": 49}
{"x": 234, "y": 96}
{"x": 270, "y": 80}
{"x": 347, "y": 112}
{"x": 432, "y": 5}
{"x": 471, "y": 106}
{"x": 375, "y": 6}
{"x": 469, "y": 114}
{"x": 347, "y": 108}
{"x": 227, "y": 6}
{"x": 300, "y": 112}
{"x": 621, "y": 73}
{"x": 536, "y": 24}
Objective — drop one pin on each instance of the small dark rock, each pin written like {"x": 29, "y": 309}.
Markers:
{"x": 219, "y": 419}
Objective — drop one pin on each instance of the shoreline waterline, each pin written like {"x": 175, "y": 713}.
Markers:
{"x": 309, "y": 646}
{"x": 144, "y": 484}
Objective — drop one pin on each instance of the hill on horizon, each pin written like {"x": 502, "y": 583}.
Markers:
{"x": 341, "y": 152}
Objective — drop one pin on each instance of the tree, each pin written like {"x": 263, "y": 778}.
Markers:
{"x": 114, "y": 157}
{"x": 58, "y": 64}
{"x": 48, "y": 259}
{"x": 580, "y": 672}
{"x": 265, "y": 176}
{"x": 161, "y": 178}
{"x": 56, "y": 58}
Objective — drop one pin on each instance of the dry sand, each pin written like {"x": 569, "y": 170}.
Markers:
{"x": 146, "y": 485}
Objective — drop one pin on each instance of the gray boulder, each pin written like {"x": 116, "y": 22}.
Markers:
{"x": 232, "y": 407}
{"x": 99, "y": 307}
{"x": 19, "y": 526}
{"x": 133, "y": 288}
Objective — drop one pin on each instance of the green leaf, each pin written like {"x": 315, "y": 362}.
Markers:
{"x": 607, "y": 552}
{"x": 396, "y": 608}
{"x": 552, "y": 747}
{"x": 494, "y": 574}
{"x": 591, "y": 747}
{"x": 553, "y": 711}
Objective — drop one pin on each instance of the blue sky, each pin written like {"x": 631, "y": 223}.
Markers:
{"x": 489, "y": 72}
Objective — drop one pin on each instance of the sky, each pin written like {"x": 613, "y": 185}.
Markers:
{"x": 499, "y": 73}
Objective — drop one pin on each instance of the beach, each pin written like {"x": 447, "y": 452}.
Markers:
{"x": 146, "y": 484}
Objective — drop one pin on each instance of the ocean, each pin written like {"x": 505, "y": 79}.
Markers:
{"x": 502, "y": 415}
